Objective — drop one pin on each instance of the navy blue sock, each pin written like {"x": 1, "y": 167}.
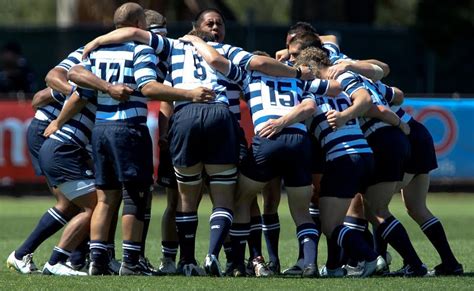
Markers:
{"x": 228, "y": 250}
{"x": 393, "y": 232}
{"x": 99, "y": 253}
{"x": 59, "y": 255}
{"x": 380, "y": 245}
{"x": 111, "y": 250}
{"x": 434, "y": 230}
{"x": 186, "y": 226}
{"x": 79, "y": 255}
{"x": 307, "y": 235}
{"x": 352, "y": 241}
{"x": 255, "y": 237}
{"x": 239, "y": 233}
{"x": 169, "y": 249}
{"x": 131, "y": 251}
{"x": 361, "y": 225}
{"x": 220, "y": 221}
{"x": 52, "y": 221}
{"x": 271, "y": 231}
{"x": 333, "y": 260}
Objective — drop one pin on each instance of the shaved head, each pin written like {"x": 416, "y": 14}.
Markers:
{"x": 130, "y": 15}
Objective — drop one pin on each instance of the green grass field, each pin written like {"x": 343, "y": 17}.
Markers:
{"x": 19, "y": 215}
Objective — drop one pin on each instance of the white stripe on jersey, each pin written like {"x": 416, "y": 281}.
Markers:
{"x": 271, "y": 97}
{"x": 125, "y": 55}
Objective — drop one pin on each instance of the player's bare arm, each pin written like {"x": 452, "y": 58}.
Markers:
{"x": 42, "y": 98}
{"x": 72, "y": 107}
{"x": 208, "y": 53}
{"x": 57, "y": 80}
{"x": 369, "y": 70}
{"x": 84, "y": 78}
{"x": 273, "y": 67}
{"x": 158, "y": 91}
{"x": 118, "y": 35}
{"x": 301, "y": 112}
{"x": 361, "y": 102}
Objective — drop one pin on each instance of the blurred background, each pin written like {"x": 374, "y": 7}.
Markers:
{"x": 428, "y": 45}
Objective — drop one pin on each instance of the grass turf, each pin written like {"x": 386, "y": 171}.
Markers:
{"x": 18, "y": 216}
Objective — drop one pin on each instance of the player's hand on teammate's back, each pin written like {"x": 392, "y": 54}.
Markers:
{"x": 202, "y": 94}
{"x": 189, "y": 38}
{"x": 52, "y": 128}
{"x": 119, "y": 92}
{"x": 405, "y": 128}
{"x": 271, "y": 127}
{"x": 88, "y": 48}
{"x": 335, "y": 70}
{"x": 336, "y": 119}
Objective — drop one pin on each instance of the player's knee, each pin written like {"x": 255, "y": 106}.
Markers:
{"x": 135, "y": 200}
{"x": 227, "y": 177}
{"x": 188, "y": 179}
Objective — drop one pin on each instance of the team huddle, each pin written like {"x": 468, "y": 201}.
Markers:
{"x": 325, "y": 127}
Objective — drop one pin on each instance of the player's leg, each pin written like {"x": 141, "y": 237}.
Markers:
{"x": 107, "y": 203}
{"x": 299, "y": 198}
{"x": 222, "y": 183}
{"x": 271, "y": 221}
{"x": 391, "y": 151}
{"x": 54, "y": 218}
{"x": 83, "y": 194}
{"x": 169, "y": 237}
{"x": 240, "y": 228}
{"x": 414, "y": 196}
{"x": 189, "y": 186}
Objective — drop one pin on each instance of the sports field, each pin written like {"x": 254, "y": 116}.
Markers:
{"x": 456, "y": 211}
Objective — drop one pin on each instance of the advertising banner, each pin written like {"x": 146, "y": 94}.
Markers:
{"x": 449, "y": 121}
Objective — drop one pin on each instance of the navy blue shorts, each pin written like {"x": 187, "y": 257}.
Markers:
{"x": 203, "y": 132}
{"x": 35, "y": 139}
{"x": 318, "y": 156}
{"x": 391, "y": 152}
{"x": 423, "y": 153}
{"x": 287, "y": 154}
{"x": 166, "y": 176}
{"x": 64, "y": 161}
{"x": 122, "y": 152}
{"x": 347, "y": 175}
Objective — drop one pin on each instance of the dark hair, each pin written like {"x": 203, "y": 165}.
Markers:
{"x": 199, "y": 16}
{"x": 260, "y": 53}
{"x": 300, "y": 27}
{"x": 306, "y": 39}
{"x": 204, "y": 35}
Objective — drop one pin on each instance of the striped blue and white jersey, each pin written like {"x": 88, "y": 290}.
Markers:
{"x": 72, "y": 59}
{"x": 51, "y": 111}
{"x": 351, "y": 82}
{"x": 171, "y": 52}
{"x": 347, "y": 139}
{"x": 188, "y": 70}
{"x": 389, "y": 94}
{"x": 271, "y": 97}
{"x": 79, "y": 128}
{"x": 334, "y": 51}
{"x": 130, "y": 64}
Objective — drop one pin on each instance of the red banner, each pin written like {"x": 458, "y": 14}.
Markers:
{"x": 15, "y": 117}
